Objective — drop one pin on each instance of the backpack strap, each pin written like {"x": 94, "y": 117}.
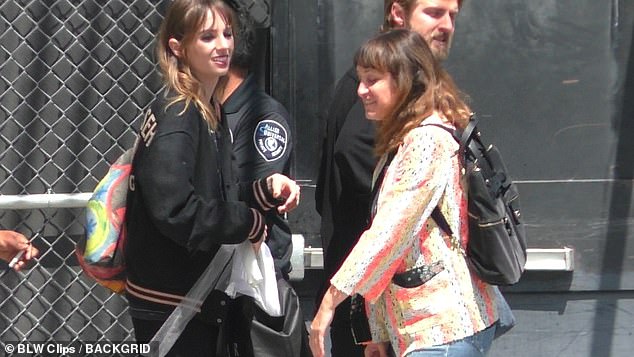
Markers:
{"x": 436, "y": 214}
{"x": 377, "y": 180}
{"x": 462, "y": 137}
{"x": 471, "y": 146}
{"x": 455, "y": 133}
{"x": 440, "y": 220}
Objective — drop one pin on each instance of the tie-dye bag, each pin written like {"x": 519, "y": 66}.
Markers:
{"x": 100, "y": 251}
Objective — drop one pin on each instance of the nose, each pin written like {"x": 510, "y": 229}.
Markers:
{"x": 362, "y": 89}
{"x": 223, "y": 42}
{"x": 447, "y": 22}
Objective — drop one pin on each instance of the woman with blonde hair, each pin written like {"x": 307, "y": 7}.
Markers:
{"x": 420, "y": 295}
{"x": 183, "y": 203}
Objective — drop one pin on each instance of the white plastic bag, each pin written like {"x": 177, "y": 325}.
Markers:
{"x": 254, "y": 275}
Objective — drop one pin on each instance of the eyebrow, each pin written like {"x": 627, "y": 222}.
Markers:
{"x": 215, "y": 30}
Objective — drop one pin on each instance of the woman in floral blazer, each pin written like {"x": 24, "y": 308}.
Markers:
{"x": 420, "y": 295}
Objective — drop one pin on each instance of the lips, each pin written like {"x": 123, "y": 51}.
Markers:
{"x": 441, "y": 40}
{"x": 367, "y": 99}
{"x": 369, "y": 107}
{"x": 221, "y": 61}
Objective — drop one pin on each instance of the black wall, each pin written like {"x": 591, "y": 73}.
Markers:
{"x": 553, "y": 84}
{"x": 550, "y": 81}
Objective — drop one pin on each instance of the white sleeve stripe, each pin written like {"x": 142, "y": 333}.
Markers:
{"x": 257, "y": 222}
{"x": 260, "y": 196}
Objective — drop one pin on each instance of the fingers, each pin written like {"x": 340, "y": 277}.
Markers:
{"x": 11, "y": 244}
{"x": 16, "y": 249}
{"x": 316, "y": 343}
{"x": 280, "y": 184}
{"x": 376, "y": 350}
{"x": 318, "y": 327}
{"x": 274, "y": 184}
{"x": 368, "y": 351}
{"x": 292, "y": 200}
{"x": 383, "y": 350}
{"x": 31, "y": 252}
{"x": 19, "y": 265}
{"x": 283, "y": 187}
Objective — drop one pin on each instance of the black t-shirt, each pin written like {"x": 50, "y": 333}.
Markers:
{"x": 343, "y": 191}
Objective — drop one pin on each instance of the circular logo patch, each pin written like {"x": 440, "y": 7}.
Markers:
{"x": 270, "y": 139}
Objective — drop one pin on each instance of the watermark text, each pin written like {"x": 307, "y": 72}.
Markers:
{"x": 73, "y": 349}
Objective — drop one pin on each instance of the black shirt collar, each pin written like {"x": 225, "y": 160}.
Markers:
{"x": 241, "y": 95}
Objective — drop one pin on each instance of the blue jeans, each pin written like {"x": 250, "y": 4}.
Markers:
{"x": 473, "y": 346}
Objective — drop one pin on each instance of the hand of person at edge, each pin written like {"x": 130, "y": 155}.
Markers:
{"x": 283, "y": 187}
{"x": 11, "y": 243}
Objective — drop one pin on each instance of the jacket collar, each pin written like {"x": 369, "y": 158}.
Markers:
{"x": 241, "y": 95}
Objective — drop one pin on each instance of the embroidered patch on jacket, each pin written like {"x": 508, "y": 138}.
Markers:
{"x": 270, "y": 139}
{"x": 148, "y": 129}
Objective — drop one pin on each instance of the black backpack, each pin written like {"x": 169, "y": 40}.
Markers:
{"x": 496, "y": 251}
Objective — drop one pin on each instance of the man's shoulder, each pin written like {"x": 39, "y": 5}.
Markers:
{"x": 250, "y": 100}
{"x": 345, "y": 103}
{"x": 347, "y": 84}
{"x": 269, "y": 104}
{"x": 261, "y": 107}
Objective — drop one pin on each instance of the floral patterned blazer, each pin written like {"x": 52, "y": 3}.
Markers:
{"x": 453, "y": 303}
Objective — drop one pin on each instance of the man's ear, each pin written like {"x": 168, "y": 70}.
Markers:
{"x": 397, "y": 15}
{"x": 175, "y": 47}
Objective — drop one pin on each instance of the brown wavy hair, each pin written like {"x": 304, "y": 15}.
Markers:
{"x": 422, "y": 85}
{"x": 182, "y": 22}
{"x": 408, "y": 7}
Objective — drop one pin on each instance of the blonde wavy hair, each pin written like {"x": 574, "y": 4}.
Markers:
{"x": 422, "y": 85}
{"x": 182, "y": 22}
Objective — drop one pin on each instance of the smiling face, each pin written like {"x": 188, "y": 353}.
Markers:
{"x": 209, "y": 53}
{"x": 377, "y": 91}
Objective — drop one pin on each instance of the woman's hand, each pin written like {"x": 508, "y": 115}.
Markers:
{"x": 282, "y": 187}
{"x": 323, "y": 318}
{"x": 376, "y": 350}
{"x": 318, "y": 329}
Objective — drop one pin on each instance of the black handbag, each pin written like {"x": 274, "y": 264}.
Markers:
{"x": 283, "y": 336}
{"x": 359, "y": 324}
{"x": 264, "y": 335}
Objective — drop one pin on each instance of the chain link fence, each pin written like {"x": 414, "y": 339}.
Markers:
{"x": 74, "y": 77}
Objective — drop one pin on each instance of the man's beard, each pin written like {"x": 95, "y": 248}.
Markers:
{"x": 441, "y": 53}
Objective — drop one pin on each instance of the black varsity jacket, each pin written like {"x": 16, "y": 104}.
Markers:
{"x": 182, "y": 204}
